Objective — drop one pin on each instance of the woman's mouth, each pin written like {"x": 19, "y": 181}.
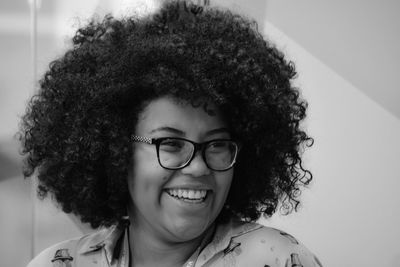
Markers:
{"x": 188, "y": 195}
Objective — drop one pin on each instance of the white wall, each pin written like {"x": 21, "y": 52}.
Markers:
{"x": 358, "y": 39}
{"x": 350, "y": 216}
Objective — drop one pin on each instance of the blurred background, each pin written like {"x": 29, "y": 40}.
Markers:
{"x": 347, "y": 56}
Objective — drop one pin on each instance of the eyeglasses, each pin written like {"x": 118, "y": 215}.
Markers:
{"x": 176, "y": 153}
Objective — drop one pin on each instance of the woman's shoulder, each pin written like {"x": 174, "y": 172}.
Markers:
{"x": 260, "y": 245}
{"x": 261, "y": 234}
{"x": 69, "y": 252}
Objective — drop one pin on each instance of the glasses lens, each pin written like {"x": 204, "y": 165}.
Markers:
{"x": 221, "y": 154}
{"x": 174, "y": 153}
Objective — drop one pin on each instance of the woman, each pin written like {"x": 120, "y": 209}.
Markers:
{"x": 173, "y": 133}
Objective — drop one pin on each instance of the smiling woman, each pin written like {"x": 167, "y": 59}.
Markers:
{"x": 165, "y": 198}
{"x": 173, "y": 132}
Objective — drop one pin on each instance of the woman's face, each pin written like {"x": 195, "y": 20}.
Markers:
{"x": 153, "y": 207}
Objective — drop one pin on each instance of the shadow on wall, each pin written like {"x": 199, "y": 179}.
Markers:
{"x": 10, "y": 160}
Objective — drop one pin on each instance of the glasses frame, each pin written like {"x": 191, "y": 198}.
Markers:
{"x": 197, "y": 147}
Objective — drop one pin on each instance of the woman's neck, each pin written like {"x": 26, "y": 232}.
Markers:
{"x": 146, "y": 249}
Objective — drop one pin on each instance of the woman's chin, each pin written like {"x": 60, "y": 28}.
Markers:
{"x": 188, "y": 230}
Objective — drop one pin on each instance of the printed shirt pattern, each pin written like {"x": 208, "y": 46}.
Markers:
{"x": 234, "y": 244}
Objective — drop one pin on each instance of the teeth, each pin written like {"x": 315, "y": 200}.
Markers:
{"x": 188, "y": 194}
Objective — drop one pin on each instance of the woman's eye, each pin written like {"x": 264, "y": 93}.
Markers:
{"x": 218, "y": 146}
{"x": 172, "y": 145}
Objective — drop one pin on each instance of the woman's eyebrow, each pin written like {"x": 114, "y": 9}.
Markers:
{"x": 218, "y": 131}
{"x": 168, "y": 129}
{"x": 182, "y": 133}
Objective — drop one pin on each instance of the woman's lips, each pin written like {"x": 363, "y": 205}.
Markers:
{"x": 188, "y": 195}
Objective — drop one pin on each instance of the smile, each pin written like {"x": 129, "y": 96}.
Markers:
{"x": 189, "y": 195}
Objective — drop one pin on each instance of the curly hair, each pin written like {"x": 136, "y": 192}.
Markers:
{"x": 76, "y": 130}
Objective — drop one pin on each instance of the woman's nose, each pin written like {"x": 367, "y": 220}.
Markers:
{"x": 197, "y": 167}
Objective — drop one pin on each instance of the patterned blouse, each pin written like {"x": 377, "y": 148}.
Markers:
{"x": 233, "y": 244}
